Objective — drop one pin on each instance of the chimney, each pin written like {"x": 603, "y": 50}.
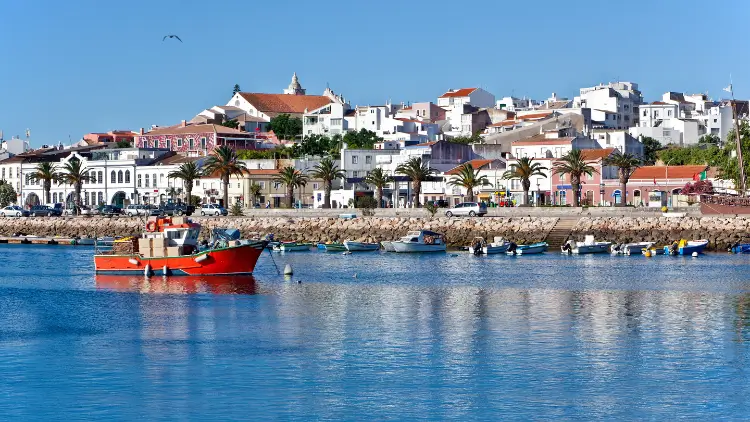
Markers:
{"x": 142, "y": 131}
{"x": 183, "y": 123}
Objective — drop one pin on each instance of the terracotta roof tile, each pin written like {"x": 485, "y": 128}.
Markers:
{"x": 262, "y": 172}
{"x": 664, "y": 172}
{"x": 541, "y": 139}
{"x": 477, "y": 164}
{"x": 463, "y": 92}
{"x": 596, "y": 154}
{"x": 426, "y": 144}
{"x": 285, "y": 103}
{"x": 534, "y": 116}
{"x": 195, "y": 128}
{"x": 506, "y": 123}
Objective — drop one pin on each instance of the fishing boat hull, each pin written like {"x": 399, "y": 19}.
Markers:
{"x": 234, "y": 260}
{"x": 635, "y": 248}
{"x": 415, "y": 247}
{"x": 533, "y": 249}
{"x": 292, "y": 247}
{"x": 361, "y": 246}
{"x": 388, "y": 246}
{"x": 332, "y": 247}
{"x": 695, "y": 246}
{"x": 493, "y": 249}
{"x": 741, "y": 248}
{"x": 600, "y": 247}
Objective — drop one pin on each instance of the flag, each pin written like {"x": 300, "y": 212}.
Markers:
{"x": 654, "y": 180}
{"x": 696, "y": 177}
{"x": 729, "y": 88}
{"x": 703, "y": 175}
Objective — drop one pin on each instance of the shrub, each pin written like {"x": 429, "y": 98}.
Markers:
{"x": 236, "y": 210}
{"x": 431, "y": 208}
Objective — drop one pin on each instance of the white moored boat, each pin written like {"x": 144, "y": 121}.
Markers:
{"x": 292, "y": 247}
{"x": 532, "y": 249}
{"x": 360, "y": 246}
{"x": 631, "y": 248}
{"x": 388, "y": 246}
{"x": 588, "y": 246}
{"x": 499, "y": 245}
{"x": 420, "y": 241}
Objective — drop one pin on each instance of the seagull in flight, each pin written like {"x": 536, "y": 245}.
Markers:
{"x": 171, "y": 36}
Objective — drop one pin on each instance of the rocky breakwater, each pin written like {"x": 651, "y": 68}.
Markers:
{"x": 721, "y": 232}
{"x": 458, "y": 231}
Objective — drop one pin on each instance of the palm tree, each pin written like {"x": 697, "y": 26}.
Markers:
{"x": 418, "y": 171}
{"x": 327, "y": 171}
{"x": 173, "y": 192}
{"x": 468, "y": 179}
{"x": 525, "y": 168}
{"x": 224, "y": 160}
{"x": 255, "y": 190}
{"x": 46, "y": 173}
{"x": 574, "y": 164}
{"x": 378, "y": 178}
{"x": 75, "y": 174}
{"x": 291, "y": 178}
{"x": 626, "y": 165}
{"x": 188, "y": 173}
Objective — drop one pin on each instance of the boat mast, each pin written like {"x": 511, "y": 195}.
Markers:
{"x": 740, "y": 162}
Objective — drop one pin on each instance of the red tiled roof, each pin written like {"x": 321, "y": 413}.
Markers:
{"x": 659, "y": 103}
{"x": 596, "y": 154}
{"x": 426, "y": 144}
{"x": 463, "y": 92}
{"x": 543, "y": 140}
{"x": 195, "y": 128}
{"x": 667, "y": 172}
{"x": 262, "y": 172}
{"x": 505, "y": 123}
{"x": 477, "y": 164}
{"x": 534, "y": 116}
{"x": 285, "y": 103}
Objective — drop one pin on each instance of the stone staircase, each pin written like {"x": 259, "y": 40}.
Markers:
{"x": 561, "y": 231}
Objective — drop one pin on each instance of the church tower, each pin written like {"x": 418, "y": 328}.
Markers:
{"x": 295, "y": 88}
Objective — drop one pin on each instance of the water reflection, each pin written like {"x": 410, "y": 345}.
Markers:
{"x": 243, "y": 285}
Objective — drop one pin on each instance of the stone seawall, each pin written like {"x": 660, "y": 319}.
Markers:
{"x": 721, "y": 231}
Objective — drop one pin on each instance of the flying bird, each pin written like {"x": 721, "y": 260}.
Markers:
{"x": 171, "y": 36}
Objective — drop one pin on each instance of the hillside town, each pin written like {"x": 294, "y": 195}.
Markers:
{"x": 496, "y": 138}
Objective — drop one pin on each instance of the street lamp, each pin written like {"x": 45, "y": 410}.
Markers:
{"x": 538, "y": 192}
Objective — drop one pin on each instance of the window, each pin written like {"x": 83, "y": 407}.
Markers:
{"x": 336, "y": 122}
{"x": 112, "y": 177}
{"x": 100, "y": 197}
{"x": 3, "y": 173}
{"x": 203, "y": 143}
{"x": 191, "y": 144}
{"x": 139, "y": 180}
{"x": 238, "y": 186}
{"x": 155, "y": 144}
{"x": 355, "y": 159}
{"x": 717, "y": 121}
{"x": 92, "y": 179}
{"x": 262, "y": 184}
{"x": 562, "y": 178}
{"x": 656, "y": 113}
{"x": 276, "y": 185}
{"x": 179, "y": 142}
{"x": 144, "y": 144}
{"x": 119, "y": 176}
{"x": 100, "y": 177}
{"x": 154, "y": 179}
{"x": 355, "y": 173}
{"x": 316, "y": 186}
{"x": 669, "y": 113}
{"x": 127, "y": 176}
{"x": 645, "y": 113}
{"x": 169, "y": 144}
{"x": 147, "y": 183}
{"x": 368, "y": 159}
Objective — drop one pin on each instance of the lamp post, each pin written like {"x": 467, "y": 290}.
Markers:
{"x": 538, "y": 192}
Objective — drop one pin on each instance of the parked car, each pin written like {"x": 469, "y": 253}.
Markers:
{"x": 467, "y": 208}
{"x": 110, "y": 210}
{"x": 136, "y": 210}
{"x": 213, "y": 209}
{"x": 82, "y": 210}
{"x": 172, "y": 209}
{"x": 44, "y": 211}
{"x": 14, "y": 211}
{"x": 440, "y": 203}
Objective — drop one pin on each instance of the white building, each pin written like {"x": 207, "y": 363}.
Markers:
{"x": 620, "y": 98}
{"x": 621, "y": 140}
{"x": 516, "y": 104}
{"x": 463, "y": 110}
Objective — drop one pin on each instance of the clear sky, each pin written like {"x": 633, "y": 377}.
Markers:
{"x": 72, "y": 67}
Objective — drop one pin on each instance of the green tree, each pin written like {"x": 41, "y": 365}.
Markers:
{"x": 475, "y": 138}
{"x": 46, "y": 173}
{"x": 188, "y": 173}
{"x": 693, "y": 155}
{"x": 255, "y": 190}
{"x": 232, "y": 123}
{"x": 291, "y": 178}
{"x": 327, "y": 171}
{"x": 468, "y": 178}
{"x": 379, "y": 178}
{"x": 173, "y": 193}
{"x": 285, "y": 126}
{"x": 236, "y": 210}
{"x": 626, "y": 164}
{"x": 650, "y": 147}
{"x": 709, "y": 138}
{"x": 74, "y": 173}
{"x": 418, "y": 171}
{"x": 7, "y": 194}
{"x": 364, "y": 139}
{"x": 574, "y": 165}
{"x": 525, "y": 168}
{"x": 236, "y": 89}
{"x": 124, "y": 143}
{"x": 224, "y": 162}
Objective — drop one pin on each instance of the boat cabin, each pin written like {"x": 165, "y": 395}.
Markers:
{"x": 424, "y": 237}
{"x": 176, "y": 231}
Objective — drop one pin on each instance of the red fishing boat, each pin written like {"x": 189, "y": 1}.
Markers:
{"x": 169, "y": 246}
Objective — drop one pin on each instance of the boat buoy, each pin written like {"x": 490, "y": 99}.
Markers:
{"x": 133, "y": 261}
{"x": 647, "y": 253}
{"x": 165, "y": 271}
{"x": 288, "y": 270}
{"x": 695, "y": 254}
{"x": 147, "y": 270}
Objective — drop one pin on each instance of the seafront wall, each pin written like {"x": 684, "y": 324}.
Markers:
{"x": 722, "y": 231}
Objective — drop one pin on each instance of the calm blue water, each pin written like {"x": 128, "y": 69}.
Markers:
{"x": 410, "y": 337}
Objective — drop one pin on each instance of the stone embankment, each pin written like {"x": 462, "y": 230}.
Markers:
{"x": 721, "y": 231}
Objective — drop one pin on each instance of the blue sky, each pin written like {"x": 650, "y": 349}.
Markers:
{"x": 79, "y": 66}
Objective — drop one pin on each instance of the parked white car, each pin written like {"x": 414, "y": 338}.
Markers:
{"x": 213, "y": 209}
{"x": 136, "y": 210}
{"x": 470, "y": 209}
{"x": 83, "y": 210}
{"x": 14, "y": 211}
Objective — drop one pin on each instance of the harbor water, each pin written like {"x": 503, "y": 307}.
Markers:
{"x": 376, "y": 336}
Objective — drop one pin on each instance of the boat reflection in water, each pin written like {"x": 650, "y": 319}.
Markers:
{"x": 241, "y": 285}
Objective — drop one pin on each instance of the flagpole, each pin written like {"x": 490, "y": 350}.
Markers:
{"x": 740, "y": 162}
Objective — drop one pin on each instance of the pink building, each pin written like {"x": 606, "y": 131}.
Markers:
{"x": 198, "y": 139}
{"x": 111, "y": 136}
{"x": 593, "y": 188}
